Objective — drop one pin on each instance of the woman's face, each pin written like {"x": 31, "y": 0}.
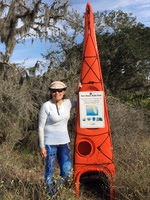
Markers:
{"x": 57, "y": 94}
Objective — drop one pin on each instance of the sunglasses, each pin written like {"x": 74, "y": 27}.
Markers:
{"x": 56, "y": 90}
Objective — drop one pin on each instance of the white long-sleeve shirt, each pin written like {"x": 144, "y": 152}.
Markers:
{"x": 53, "y": 126}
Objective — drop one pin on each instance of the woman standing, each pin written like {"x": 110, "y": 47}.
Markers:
{"x": 53, "y": 133}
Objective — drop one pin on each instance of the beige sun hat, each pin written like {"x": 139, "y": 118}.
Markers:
{"x": 57, "y": 85}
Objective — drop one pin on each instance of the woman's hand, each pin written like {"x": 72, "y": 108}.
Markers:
{"x": 79, "y": 85}
{"x": 43, "y": 152}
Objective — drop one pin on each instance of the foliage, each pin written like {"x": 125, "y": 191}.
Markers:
{"x": 125, "y": 58}
{"x": 21, "y": 19}
{"x": 113, "y": 21}
{"x": 125, "y": 62}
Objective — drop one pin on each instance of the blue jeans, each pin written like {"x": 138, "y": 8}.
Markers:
{"x": 62, "y": 152}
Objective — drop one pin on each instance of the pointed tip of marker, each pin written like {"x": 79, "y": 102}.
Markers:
{"x": 88, "y": 7}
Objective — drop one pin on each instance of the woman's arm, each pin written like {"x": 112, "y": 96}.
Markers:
{"x": 41, "y": 125}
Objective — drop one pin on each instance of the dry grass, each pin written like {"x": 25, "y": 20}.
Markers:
{"x": 21, "y": 175}
{"x": 132, "y": 167}
{"x": 17, "y": 112}
{"x": 131, "y": 141}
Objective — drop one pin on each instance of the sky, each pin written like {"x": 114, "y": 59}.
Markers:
{"x": 30, "y": 53}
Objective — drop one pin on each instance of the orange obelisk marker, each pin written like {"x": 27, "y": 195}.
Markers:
{"x": 93, "y": 156}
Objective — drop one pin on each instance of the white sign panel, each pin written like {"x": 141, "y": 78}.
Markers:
{"x": 91, "y": 109}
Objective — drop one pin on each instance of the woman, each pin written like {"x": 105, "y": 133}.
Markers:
{"x": 53, "y": 133}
